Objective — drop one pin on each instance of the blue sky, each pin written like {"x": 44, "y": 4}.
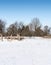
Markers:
{"x": 25, "y": 10}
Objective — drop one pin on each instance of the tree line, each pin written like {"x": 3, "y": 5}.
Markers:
{"x": 32, "y": 29}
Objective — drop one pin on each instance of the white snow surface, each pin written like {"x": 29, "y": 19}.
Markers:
{"x": 30, "y": 51}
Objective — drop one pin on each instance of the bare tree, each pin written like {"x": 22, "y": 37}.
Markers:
{"x": 46, "y": 30}
{"x": 35, "y": 24}
{"x": 20, "y": 27}
{"x": 12, "y": 29}
{"x": 2, "y": 27}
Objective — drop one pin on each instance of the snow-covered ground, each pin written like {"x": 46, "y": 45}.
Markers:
{"x": 32, "y": 51}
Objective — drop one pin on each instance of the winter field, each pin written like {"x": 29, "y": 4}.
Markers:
{"x": 30, "y": 51}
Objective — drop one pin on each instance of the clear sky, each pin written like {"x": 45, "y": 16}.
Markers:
{"x": 25, "y": 11}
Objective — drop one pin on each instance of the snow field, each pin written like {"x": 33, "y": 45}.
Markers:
{"x": 30, "y": 51}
